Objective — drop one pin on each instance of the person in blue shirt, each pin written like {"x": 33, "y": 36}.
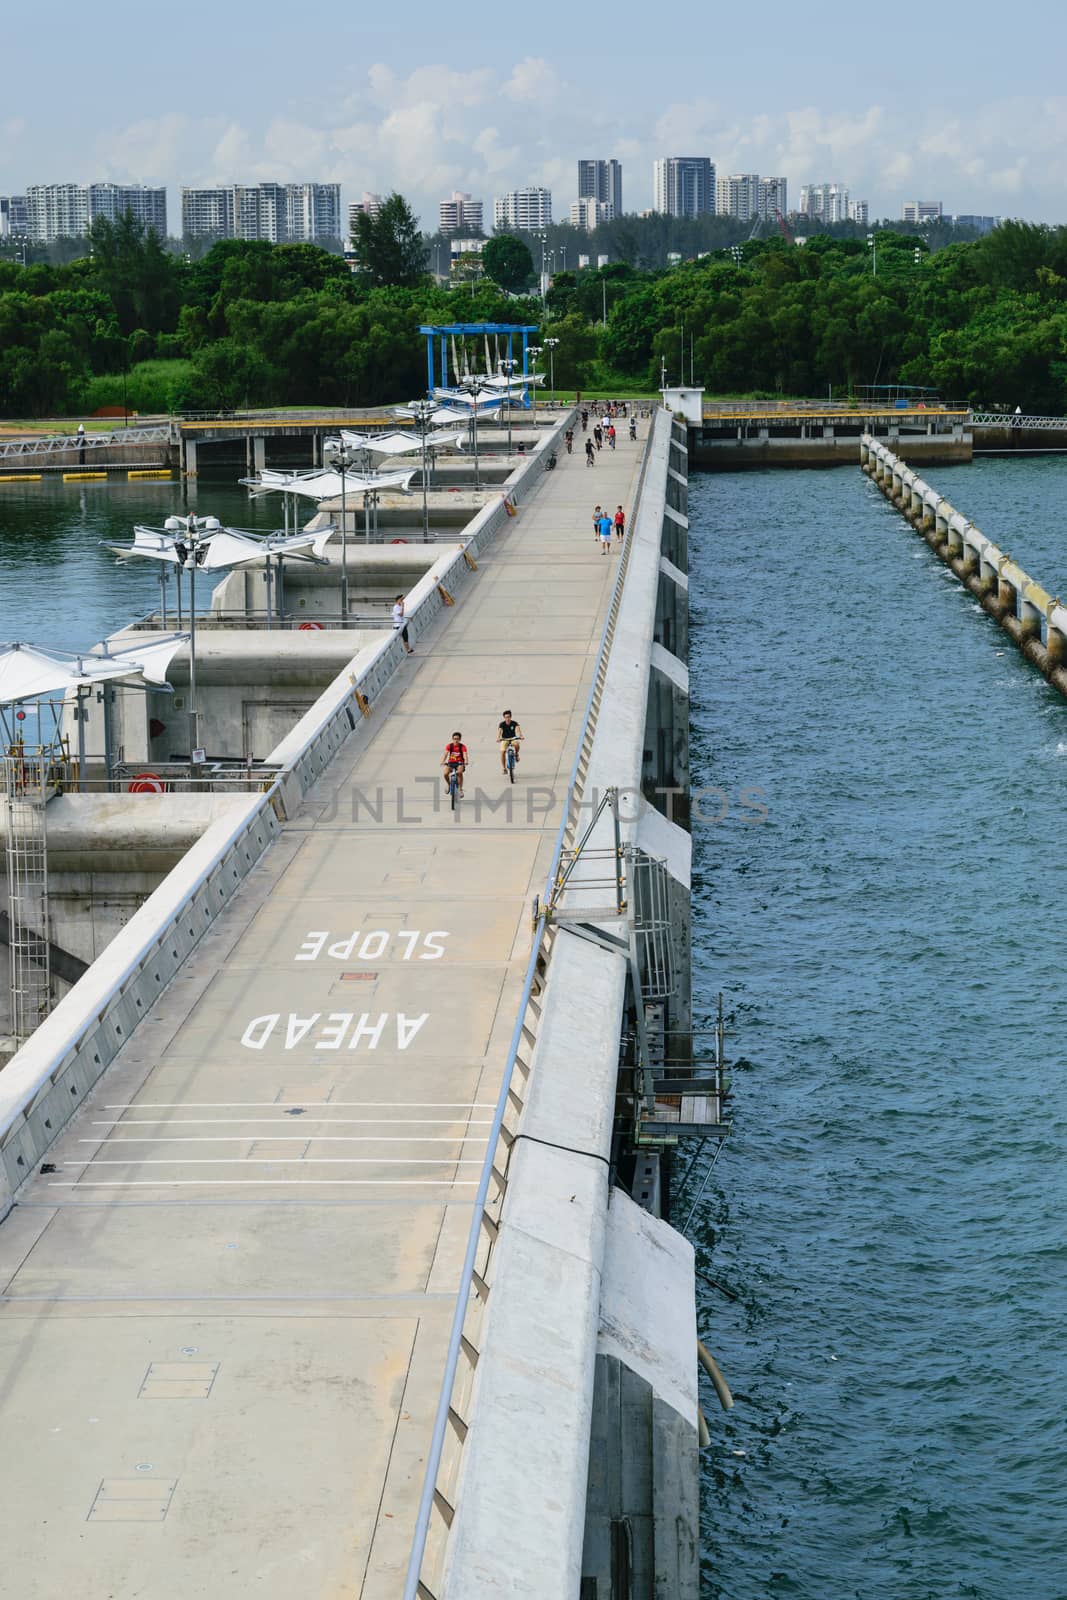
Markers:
{"x": 604, "y": 528}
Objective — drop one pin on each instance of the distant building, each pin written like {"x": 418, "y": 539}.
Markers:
{"x": 921, "y": 211}
{"x": 773, "y": 198}
{"x": 981, "y": 224}
{"x": 859, "y": 211}
{"x": 601, "y": 180}
{"x": 281, "y": 213}
{"x": 683, "y": 186}
{"x": 588, "y": 213}
{"x": 460, "y": 214}
{"x": 824, "y": 202}
{"x": 738, "y": 196}
{"x": 370, "y": 204}
{"x": 13, "y": 219}
{"x": 525, "y": 209}
{"x": 68, "y": 210}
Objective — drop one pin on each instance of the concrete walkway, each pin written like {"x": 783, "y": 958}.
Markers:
{"x": 222, "y": 1351}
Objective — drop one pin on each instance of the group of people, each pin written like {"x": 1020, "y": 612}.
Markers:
{"x": 456, "y": 758}
{"x": 604, "y": 524}
{"x": 603, "y": 433}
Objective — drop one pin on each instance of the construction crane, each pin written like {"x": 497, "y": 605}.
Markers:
{"x": 783, "y": 228}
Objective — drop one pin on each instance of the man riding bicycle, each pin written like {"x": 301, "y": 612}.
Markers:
{"x": 508, "y": 734}
{"x": 454, "y": 760}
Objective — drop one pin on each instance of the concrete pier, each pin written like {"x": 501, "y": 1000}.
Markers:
{"x": 1034, "y": 621}
{"x": 340, "y": 1055}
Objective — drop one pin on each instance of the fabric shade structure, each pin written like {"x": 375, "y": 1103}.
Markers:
{"x": 458, "y": 399}
{"x": 32, "y": 672}
{"x": 326, "y": 484}
{"x": 400, "y": 444}
{"x": 225, "y": 547}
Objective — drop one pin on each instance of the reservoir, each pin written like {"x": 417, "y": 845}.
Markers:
{"x": 888, "y": 1211}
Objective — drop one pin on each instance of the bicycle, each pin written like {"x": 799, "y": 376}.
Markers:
{"x": 454, "y": 791}
{"x": 510, "y": 758}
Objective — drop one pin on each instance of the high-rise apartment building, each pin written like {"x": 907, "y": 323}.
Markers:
{"x": 773, "y": 199}
{"x": 683, "y": 186}
{"x": 921, "y": 211}
{"x": 68, "y": 210}
{"x": 588, "y": 213}
{"x": 13, "y": 219}
{"x": 981, "y": 224}
{"x": 824, "y": 202}
{"x": 601, "y": 180}
{"x": 460, "y": 213}
{"x": 525, "y": 209}
{"x": 282, "y": 213}
{"x": 370, "y": 205}
{"x": 859, "y": 211}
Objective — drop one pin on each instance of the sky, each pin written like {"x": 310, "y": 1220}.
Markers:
{"x": 963, "y": 104}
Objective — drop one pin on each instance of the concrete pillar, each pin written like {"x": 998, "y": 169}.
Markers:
{"x": 257, "y": 454}
{"x": 1056, "y": 646}
{"x": 1007, "y": 596}
{"x": 955, "y": 541}
{"x": 970, "y": 558}
{"x": 189, "y": 446}
{"x": 941, "y": 516}
{"x": 1029, "y": 619}
{"x": 988, "y": 575}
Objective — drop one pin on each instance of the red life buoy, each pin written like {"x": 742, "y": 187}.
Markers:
{"x": 310, "y": 627}
{"x": 146, "y": 783}
{"x": 398, "y": 541}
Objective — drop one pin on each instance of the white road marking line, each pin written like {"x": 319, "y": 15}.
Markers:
{"x": 276, "y": 1122}
{"x": 287, "y": 1161}
{"x": 295, "y": 1138}
{"x": 282, "y": 1105}
{"x": 262, "y": 1183}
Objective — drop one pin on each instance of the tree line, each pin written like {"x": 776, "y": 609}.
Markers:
{"x": 983, "y": 321}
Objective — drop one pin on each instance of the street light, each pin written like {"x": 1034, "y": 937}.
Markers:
{"x": 544, "y": 257}
{"x": 339, "y": 456}
{"x": 550, "y": 346}
{"x": 472, "y": 384}
{"x": 507, "y": 366}
{"x": 422, "y": 412}
{"x": 872, "y": 245}
{"x": 533, "y": 351}
{"x": 193, "y": 535}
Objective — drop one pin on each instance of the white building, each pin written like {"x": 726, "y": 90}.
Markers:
{"x": 460, "y": 213}
{"x": 738, "y": 196}
{"x": 68, "y": 210}
{"x": 371, "y": 204}
{"x": 13, "y": 220}
{"x": 526, "y": 209}
{"x": 773, "y": 198}
{"x": 281, "y": 213}
{"x": 824, "y": 202}
{"x": 683, "y": 186}
{"x": 921, "y": 211}
{"x": 601, "y": 180}
{"x": 859, "y": 211}
{"x": 588, "y": 214}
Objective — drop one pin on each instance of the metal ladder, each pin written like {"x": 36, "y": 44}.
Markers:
{"x": 25, "y": 794}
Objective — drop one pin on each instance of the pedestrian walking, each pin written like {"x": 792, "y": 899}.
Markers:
{"x": 597, "y": 514}
{"x": 604, "y": 530}
{"x": 585, "y": 421}
{"x": 598, "y": 435}
{"x": 611, "y": 435}
{"x": 590, "y": 454}
{"x": 400, "y": 625}
{"x": 620, "y": 523}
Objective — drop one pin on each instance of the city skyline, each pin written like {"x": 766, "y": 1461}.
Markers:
{"x": 475, "y": 112}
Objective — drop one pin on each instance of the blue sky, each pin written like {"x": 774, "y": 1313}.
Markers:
{"x": 963, "y": 104}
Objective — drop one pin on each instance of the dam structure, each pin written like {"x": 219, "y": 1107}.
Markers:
{"x": 384, "y": 1299}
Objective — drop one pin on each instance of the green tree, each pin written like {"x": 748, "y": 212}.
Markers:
{"x": 389, "y": 246}
{"x": 508, "y": 262}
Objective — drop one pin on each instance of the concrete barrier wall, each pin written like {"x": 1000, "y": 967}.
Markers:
{"x": 1026, "y": 611}
{"x": 539, "y": 1346}
{"x": 46, "y": 1080}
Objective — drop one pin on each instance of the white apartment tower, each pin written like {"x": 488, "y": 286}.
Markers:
{"x": 683, "y": 186}
{"x": 921, "y": 211}
{"x": 282, "y": 213}
{"x": 68, "y": 210}
{"x": 601, "y": 180}
{"x": 824, "y": 202}
{"x": 460, "y": 213}
{"x": 588, "y": 213}
{"x": 525, "y": 209}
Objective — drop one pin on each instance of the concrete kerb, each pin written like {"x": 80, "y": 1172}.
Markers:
{"x": 45, "y": 1082}
{"x": 538, "y": 1350}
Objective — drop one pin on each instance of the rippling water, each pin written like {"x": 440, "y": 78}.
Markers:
{"x": 889, "y": 1209}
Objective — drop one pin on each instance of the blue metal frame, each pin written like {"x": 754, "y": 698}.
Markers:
{"x": 442, "y": 331}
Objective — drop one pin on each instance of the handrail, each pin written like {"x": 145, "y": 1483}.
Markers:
{"x": 412, "y": 1579}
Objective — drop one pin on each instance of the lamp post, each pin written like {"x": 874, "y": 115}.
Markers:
{"x": 422, "y": 411}
{"x": 507, "y": 366}
{"x": 872, "y": 245}
{"x": 339, "y": 456}
{"x": 550, "y": 346}
{"x": 533, "y": 351}
{"x": 471, "y": 385}
{"x": 192, "y": 537}
{"x": 544, "y": 257}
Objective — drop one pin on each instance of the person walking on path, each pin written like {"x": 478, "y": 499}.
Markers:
{"x": 598, "y": 435}
{"x": 611, "y": 434}
{"x": 605, "y": 535}
{"x": 620, "y": 523}
{"x": 597, "y": 514}
{"x": 400, "y": 625}
{"x": 590, "y": 454}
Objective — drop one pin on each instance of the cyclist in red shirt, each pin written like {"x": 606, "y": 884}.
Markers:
{"x": 455, "y": 760}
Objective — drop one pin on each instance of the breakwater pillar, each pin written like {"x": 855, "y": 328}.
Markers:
{"x": 1033, "y": 620}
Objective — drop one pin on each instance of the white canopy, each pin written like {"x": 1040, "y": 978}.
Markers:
{"x": 226, "y": 547}
{"x": 326, "y": 485}
{"x": 515, "y": 381}
{"x": 465, "y": 402}
{"x": 399, "y": 444}
{"x": 28, "y": 671}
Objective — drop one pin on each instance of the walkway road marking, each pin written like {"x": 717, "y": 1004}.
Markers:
{"x": 293, "y": 1138}
{"x": 273, "y": 1183}
{"x": 286, "y": 1161}
{"x": 335, "y": 1026}
{"x": 280, "y": 1105}
{"x": 305, "y": 1122}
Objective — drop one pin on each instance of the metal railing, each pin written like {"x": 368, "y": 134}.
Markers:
{"x": 474, "y": 1285}
{"x": 66, "y": 444}
{"x": 1012, "y": 419}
